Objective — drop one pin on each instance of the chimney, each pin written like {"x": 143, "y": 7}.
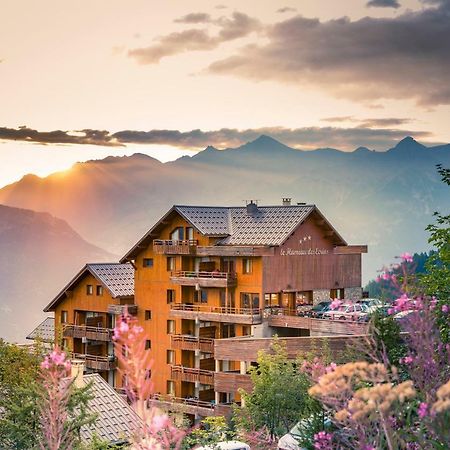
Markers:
{"x": 77, "y": 366}
{"x": 287, "y": 201}
{"x": 252, "y": 208}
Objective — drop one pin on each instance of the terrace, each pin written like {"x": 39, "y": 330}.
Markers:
{"x": 175, "y": 247}
{"x": 204, "y": 279}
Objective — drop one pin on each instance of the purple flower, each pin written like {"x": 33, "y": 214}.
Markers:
{"x": 422, "y": 410}
{"x": 445, "y": 309}
{"x": 322, "y": 441}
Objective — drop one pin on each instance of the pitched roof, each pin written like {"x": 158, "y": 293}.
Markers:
{"x": 266, "y": 226}
{"x": 45, "y": 331}
{"x": 116, "y": 277}
{"x": 116, "y": 419}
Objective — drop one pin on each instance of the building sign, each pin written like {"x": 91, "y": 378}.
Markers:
{"x": 304, "y": 251}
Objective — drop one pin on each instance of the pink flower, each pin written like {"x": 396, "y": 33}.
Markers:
{"x": 406, "y": 257}
{"x": 385, "y": 276}
{"x": 422, "y": 410}
{"x": 322, "y": 441}
{"x": 445, "y": 309}
{"x": 335, "y": 303}
{"x": 407, "y": 360}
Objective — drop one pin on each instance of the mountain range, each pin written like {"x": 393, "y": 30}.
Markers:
{"x": 383, "y": 199}
{"x": 38, "y": 254}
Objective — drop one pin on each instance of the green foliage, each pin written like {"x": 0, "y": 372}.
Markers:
{"x": 20, "y": 392}
{"x": 280, "y": 395}
{"x": 437, "y": 279}
{"x": 210, "y": 431}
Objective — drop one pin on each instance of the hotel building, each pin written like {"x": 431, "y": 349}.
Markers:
{"x": 211, "y": 286}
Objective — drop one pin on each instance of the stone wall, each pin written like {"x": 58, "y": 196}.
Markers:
{"x": 321, "y": 295}
{"x": 353, "y": 293}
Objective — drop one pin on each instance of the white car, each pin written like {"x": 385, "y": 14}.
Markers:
{"x": 347, "y": 311}
{"x": 228, "y": 445}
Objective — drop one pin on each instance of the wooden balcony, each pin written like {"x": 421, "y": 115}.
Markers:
{"x": 120, "y": 309}
{"x": 247, "y": 348}
{"x": 204, "y": 279}
{"x": 181, "y": 373}
{"x": 95, "y": 362}
{"x": 173, "y": 247}
{"x": 90, "y": 333}
{"x": 190, "y": 406}
{"x": 232, "y": 382}
{"x": 288, "y": 319}
{"x": 233, "y": 250}
{"x": 185, "y": 342}
{"x": 216, "y": 313}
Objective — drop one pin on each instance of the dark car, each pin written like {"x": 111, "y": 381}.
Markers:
{"x": 318, "y": 310}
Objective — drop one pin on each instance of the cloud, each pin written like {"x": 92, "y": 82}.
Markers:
{"x": 405, "y": 57}
{"x": 92, "y": 137}
{"x": 370, "y": 122}
{"x": 237, "y": 26}
{"x": 384, "y": 3}
{"x": 194, "y": 18}
{"x": 286, "y": 9}
{"x": 306, "y": 138}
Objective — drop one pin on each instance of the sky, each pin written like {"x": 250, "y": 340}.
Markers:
{"x": 84, "y": 80}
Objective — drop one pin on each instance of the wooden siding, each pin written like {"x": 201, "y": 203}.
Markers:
{"x": 203, "y": 279}
{"x": 311, "y": 264}
{"x": 190, "y": 406}
{"x": 232, "y": 382}
{"x": 228, "y": 250}
{"x": 120, "y": 309}
{"x": 183, "y": 342}
{"x": 350, "y": 249}
{"x": 92, "y": 333}
{"x": 181, "y": 373}
{"x": 171, "y": 247}
{"x": 322, "y": 326}
{"x": 246, "y": 349}
{"x": 216, "y": 313}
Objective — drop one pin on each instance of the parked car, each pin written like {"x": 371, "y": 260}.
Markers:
{"x": 404, "y": 315}
{"x": 317, "y": 310}
{"x": 228, "y": 445}
{"x": 380, "y": 310}
{"x": 370, "y": 304}
{"x": 346, "y": 311}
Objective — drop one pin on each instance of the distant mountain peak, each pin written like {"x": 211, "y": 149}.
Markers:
{"x": 362, "y": 150}
{"x": 408, "y": 143}
{"x": 265, "y": 143}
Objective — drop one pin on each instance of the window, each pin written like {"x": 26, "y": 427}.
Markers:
{"x": 147, "y": 262}
{"x": 247, "y": 265}
{"x": 148, "y": 344}
{"x": 89, "y": 289}
{"x": 170, "y": 357}
{"x": 99, "y": 290}
{"x": 64, "y": 316}
{"x": 170, "y": 387}
{"x": 222, "y": 296}
{"x": 148, "y": 314}
{"x": 171, "y": 327}
{"x": 246, "y": 330}
{"x": 170, "y": 263}
{"x": 203, "y": 296}
{"x": 337, "y": 293}
{"x": 189, "y": 233}
{"x": 65, "y": 344}
{"x": 170, "y": 295}
{"x": 271, "y": 300}
{"x": 177, "y": 234}
{"x": 249, "y": 300}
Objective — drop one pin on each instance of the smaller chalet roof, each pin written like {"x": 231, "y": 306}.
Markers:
{"x": 116, "y": 277}
{"x": 45, "y": 331}
{"x": 116, "y": 419}
{"x": 261, "y": 226}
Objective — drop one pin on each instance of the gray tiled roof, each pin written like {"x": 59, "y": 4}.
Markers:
{"x": 117, "y": 278}
{"x": 45, "y": 331}
{"x": 269, "y": 225}
{"x": 116, "y": 419}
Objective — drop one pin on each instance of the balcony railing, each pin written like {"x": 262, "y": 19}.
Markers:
{"x": 120, "y": 309}
{"x": 181, "y": 373}
{"x": 216, "y": 313}
{"x": 91, "y": 333}
{"x": 174, "y": 247}
{"x": 95, "y": 362}
{"x": 232, "y": 382}
{"x": 190, "y": 405}
{"x": 184, "y": 342}
{"x": 204, "y": 279}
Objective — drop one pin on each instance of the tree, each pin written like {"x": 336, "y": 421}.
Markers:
{"x": 20, "y": 396}
{"x": 280, "y": 394}
{"x": 437, "y": 279}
